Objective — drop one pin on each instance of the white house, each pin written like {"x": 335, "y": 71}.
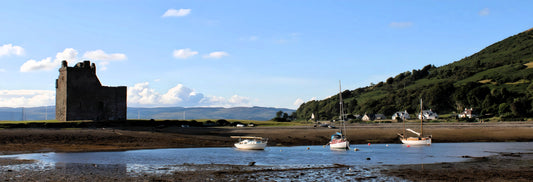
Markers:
{"x": 428, "y": 114}
{"x": 400, "y": 115}
{"x": 467, "y": 113}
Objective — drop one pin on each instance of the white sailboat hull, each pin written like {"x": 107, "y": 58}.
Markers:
{"x": 416, "y": 141}
{"x": 340, "y": 145}
{"x": 251, "y": 146}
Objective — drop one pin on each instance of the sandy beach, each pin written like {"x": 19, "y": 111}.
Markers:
{"x": 502, "y": 167}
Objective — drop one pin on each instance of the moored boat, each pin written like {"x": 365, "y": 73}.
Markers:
{"x": 339, "y": 140}
{"x": 251, "y": 142}
{"x": 420, "y": 139}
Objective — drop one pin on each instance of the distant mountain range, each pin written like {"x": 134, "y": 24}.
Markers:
{"x": 178, "y": 113}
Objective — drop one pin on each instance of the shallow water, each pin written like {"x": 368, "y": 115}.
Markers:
{"x": 300, "y": 155}
{"x": 168, "y": 160}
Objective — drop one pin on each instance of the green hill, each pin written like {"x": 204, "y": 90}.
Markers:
{"x": 495, "y": 82}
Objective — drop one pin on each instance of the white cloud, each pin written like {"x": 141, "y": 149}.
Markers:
{"x": 9, "y": 49}
{"x": 216, "y": 55}
{"x": 26, "y": 98}
{"x": 184, "y": 53}
{"x": 484, "y": 12}
{"x": 181, "y": 95}
{"x": 68, "y": 54}
{"x": 32, "y": 65}
{"x": 102, "y": 56}
{"x": 177, "y": 13}
{"x": 2, "y": 70}
{"x": 298, "y": 102}
{"x": 401, "y": 24}
{"x": 142, "y": 95}
{"x": 71, "y": 55}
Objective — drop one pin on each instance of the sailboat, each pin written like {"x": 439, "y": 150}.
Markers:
{"x": 339, "y": 140}
{"x": 420, "y": 139}
{"x": 251, "y": 142}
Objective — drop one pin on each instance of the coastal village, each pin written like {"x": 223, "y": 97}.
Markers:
{"x": 105, "y": 108}
{"x": 266, "y": 91}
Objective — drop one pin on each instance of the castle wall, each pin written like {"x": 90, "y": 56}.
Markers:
{"x": 81, "y": 96}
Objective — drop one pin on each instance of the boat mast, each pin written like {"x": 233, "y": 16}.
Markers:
{"x": 421, "y": 119}
{"x": 341, "y": 116}
{"x": 403, "y": 121}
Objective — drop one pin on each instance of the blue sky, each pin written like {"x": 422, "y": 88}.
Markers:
{"x": 274, "y": 53}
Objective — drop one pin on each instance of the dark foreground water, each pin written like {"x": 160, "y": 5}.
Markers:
{"x": 149, "y": 161}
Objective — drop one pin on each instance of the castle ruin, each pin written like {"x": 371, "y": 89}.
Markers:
{"x": 81, "y": 96}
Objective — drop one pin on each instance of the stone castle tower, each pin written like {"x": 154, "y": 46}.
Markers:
{"x": 81, "y": 96}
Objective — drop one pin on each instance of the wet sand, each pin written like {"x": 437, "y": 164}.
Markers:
{"x": 13, "y": 141}
{"x": 500, "y": 167}
{"x": 503, "y": 167}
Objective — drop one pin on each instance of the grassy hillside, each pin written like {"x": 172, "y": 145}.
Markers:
{"x": 496, "y": 82}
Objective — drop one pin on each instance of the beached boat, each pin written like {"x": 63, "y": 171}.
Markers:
{"x": 420, "y": 139}
{"x": 251, "y": 142}
{"x": 339, "y": 140}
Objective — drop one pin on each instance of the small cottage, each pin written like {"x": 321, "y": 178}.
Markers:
{"x": 428, "y": 114}
{"x": 400, "y": 115}
{"x": 467, "y": 113}
{"x": 368, "y": 117}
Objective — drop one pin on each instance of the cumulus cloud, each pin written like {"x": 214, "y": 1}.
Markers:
{"x": 184, "y": 53}
{"x": 102, "y": 56}
{"x": 26, "y": 98}
{"x": 71, "y": 55}
{"x": 142, "y": 95}
{"x": 484, "y": 12}
{"x": 401, "y": 24}
{"x": 176, "y": 13}
{"x": 47, "y": 63}
{"x": 216, "y": 55}
{"x": 181, "y": 95}
{"x": 9, "y": 49}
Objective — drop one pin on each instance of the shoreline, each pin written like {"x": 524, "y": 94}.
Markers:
{"x": 33, "y": 140}
{"x": 498, "y": 167}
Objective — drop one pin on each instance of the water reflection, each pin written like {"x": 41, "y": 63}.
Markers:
{"x": 367, "y": 155}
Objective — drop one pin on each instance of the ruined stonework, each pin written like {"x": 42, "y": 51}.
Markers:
{"x": 81, "y": 96}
